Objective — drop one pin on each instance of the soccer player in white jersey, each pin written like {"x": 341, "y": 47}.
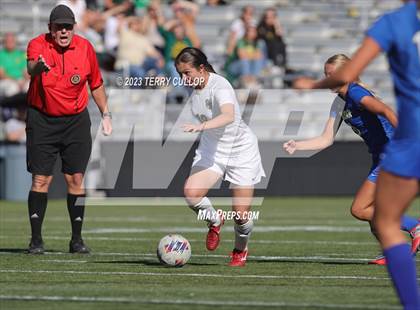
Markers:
{"x": 228, "y": 148}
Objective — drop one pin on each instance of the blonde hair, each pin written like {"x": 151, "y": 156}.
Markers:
{"x": 339, "y": 60}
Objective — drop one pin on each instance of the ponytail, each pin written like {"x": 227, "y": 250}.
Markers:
{"x": 209, "y": 68}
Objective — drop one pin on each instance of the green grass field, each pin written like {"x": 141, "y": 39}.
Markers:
{"x": 305, "y": 253}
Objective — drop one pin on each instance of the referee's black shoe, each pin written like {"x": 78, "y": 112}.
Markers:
{"x": 78, "y": 246}
{"x": 36, "y": 246}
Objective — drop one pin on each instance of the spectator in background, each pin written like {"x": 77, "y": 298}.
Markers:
{"x": 92, "y": 5}
{"x": 14, "y": 128}
{"x": 79, "y": 9}
{"x": 270, "y": 30}
{"x": 238, "y": 27}
{"x": 182, "y": 8}
{"x": 94, "y": 34}
{"x": 215, "y": 2}
{"x": 151, "y": 20}
{"x": 9, "y": 105}
{"x": 178, "y": 32}
{"x": 13, "y": 76}
{"x": 176, "y": 40}
{"x": 141, "y": 6}
{"x": 248, "y": 59}
{"x": 101, "y": 29}
{"x": 110, "y": 5}
{"x": 114, "y": 13}
{"x": 186, "y": 13}
{"x": 136, "y": 51}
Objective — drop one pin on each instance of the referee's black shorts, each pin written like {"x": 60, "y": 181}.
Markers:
{"x": 47, "y": 136}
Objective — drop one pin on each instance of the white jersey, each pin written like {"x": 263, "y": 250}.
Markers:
{"x": 229, "y": 141}
{"x": 232, "y": 150}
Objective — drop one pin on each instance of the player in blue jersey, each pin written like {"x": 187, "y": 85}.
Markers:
{"x": 398, "y": 35}
{"x": 374, "y": 122}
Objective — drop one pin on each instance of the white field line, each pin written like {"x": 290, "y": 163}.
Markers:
{"x": 251, "y": 257}
{"x": 108, "y": 219}
{"x": 332, "y": 256}
{"x": 65, "y": 261}
{"x": 199, "y": 275}
{"x": 191, "y": 219}
{"x": 157, "y": 201}
{"x": 314, "y": 259}
{"x": 262, "y": 241}
{"x": 260, "y": 229}
{"x": 251, "y": 304}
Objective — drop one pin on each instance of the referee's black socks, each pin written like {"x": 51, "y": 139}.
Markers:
{"x": 37, "y": 204}
{"x": 76, "y": 213}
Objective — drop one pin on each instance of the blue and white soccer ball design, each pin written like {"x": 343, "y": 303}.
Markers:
{"x": 174, "y": 250}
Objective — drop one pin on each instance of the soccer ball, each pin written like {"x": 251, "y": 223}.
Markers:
{"x": 174, "y": 250}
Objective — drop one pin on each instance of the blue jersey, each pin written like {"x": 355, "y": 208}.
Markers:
{"x": 374, "y": 129}
{"x": 398, "y": 34}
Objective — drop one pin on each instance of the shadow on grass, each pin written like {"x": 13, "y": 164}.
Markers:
{"x": 312, "y": 261}
{"x": 146, "y": 262}
{"x": 14, "y": 251}
{"x": 23, "y": 251}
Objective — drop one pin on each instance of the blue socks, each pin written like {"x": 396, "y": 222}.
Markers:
{"x": 408, "y": 223}
{"x": 401, "y": 267}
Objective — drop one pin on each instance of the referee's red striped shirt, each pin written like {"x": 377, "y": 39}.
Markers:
{"x": 63, "y": 90}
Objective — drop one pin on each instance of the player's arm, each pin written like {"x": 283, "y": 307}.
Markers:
{"x": 318, "y": 143}
{"x": 349, "y": 72}
{"x": 378, "y": 107}
{"x": 226, "y": 117}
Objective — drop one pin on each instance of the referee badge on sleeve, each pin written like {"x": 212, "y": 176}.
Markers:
{"x": 75, "y": 79}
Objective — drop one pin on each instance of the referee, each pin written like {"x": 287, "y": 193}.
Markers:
{"x": 60, "y": 64}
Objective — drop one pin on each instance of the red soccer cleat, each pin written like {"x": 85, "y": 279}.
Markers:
{"x": 238, "y": 258}
{"x": 379, "y": 260}
{"x": 415, "y": 243}
{"x": 213, "y": 236}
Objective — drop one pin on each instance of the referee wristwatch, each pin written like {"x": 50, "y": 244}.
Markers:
{"x": 107, "y": 114}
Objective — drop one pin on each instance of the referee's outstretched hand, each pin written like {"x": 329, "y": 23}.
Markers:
{"x": 42, "y": 65}
{"x": 107, "y": 126}
{"x": 38, "y": 66}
